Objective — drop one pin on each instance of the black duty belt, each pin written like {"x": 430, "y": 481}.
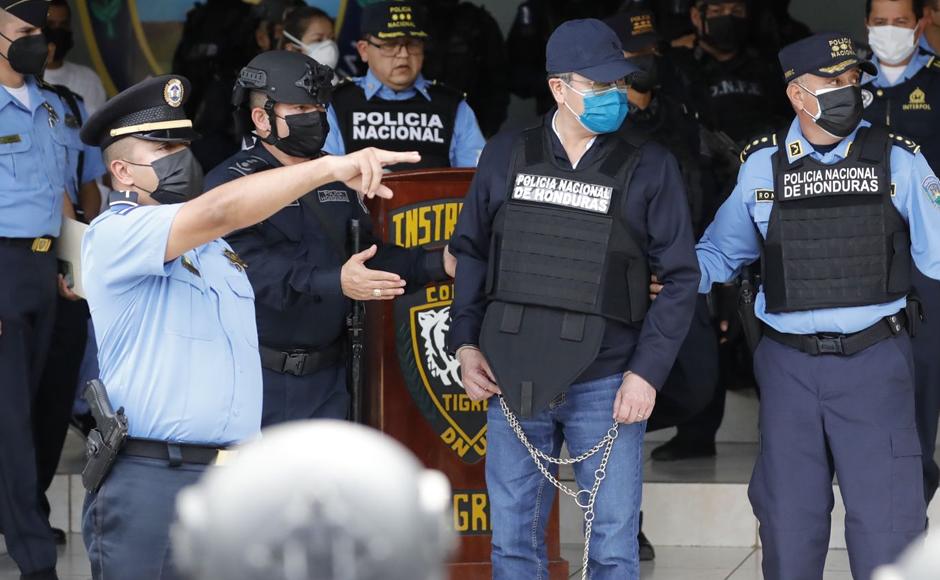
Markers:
{"x": 842, "y": 344}
{"x": 300, "y": 362}
{"x": 175, "y": 454}
{"x": 38, "y": 245}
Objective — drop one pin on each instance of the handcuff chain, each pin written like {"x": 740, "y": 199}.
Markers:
{"x": 607, "y": 444}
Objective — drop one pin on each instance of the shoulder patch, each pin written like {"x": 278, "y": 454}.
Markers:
{"x": 763, "y": 195}
{"x": 758, "y": 143}
{"x": 248, "y": 166}
{"x": 904, "y": 143}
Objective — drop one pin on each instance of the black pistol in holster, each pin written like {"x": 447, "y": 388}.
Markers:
{"x": 750, "y": 324}
{"x": 105, "y": 440}
{"x": 355, "y": 330}
{"x": 915, "y": 313}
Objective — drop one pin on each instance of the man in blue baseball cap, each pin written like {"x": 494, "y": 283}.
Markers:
{"x": 559, "y": 233}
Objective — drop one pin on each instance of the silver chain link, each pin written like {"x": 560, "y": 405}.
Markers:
{"x": 607, "y": 444}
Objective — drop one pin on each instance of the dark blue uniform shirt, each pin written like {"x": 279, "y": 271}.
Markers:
{"x": 656, "y": 210}
{"x": 294, "y": 266}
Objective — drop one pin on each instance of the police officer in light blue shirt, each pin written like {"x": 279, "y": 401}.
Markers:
{"x": 173, "y": 312}
{"x": 836, "y": 209}
{"x": 36, "y": 150}
{"x": 393, "y": 106}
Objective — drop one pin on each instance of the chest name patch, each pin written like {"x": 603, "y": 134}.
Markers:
{"x": 831, "y": 181}
{"x": 329, "y": 195}
{"x": 400, "y": 126}
{"x": 563, "y": 192}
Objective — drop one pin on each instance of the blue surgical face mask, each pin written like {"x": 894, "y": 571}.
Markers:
{"x": 604, "y": 112}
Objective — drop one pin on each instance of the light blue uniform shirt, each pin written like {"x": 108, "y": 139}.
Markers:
{"x": 919, "y": 61}
{"x": 36, "y": 155}
{"x": 92, "y": 169}
{"x": 925, "y": 45}
{"x": 177, "y": 349}
{"x": 465, "y": 146}
{"x": 731, "y": 241}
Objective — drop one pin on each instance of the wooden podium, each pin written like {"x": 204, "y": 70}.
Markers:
{"x": 413, "y": 390}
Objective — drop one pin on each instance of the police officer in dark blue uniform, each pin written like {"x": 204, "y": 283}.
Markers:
{"x": 39, "y": 146}
{"x": 836, "y": 209}
{"x": 559, "y": 232}
{"x": 299, "y": 265}
{"x": 173, "y": 312}
{"x": 905, "y": 97}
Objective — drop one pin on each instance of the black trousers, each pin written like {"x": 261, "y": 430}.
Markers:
{"x": 53, "y": 405}
{"x": 27, "y": 313}
{"x": 926, "y": 347}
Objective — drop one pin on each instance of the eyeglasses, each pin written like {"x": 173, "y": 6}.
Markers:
{"x": 413, "y": 47}
{"x": 596, "y": 88}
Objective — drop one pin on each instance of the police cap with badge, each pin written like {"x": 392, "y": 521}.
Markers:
{"x": 291, "y": 78}
{"x": 390, "y": 20}
{"x": 547, "y": 311}
{"x": 823, "y": 55}
{"x": 151, "y": 110}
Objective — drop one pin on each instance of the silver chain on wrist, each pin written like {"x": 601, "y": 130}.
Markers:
{"x": 607, "y": 444}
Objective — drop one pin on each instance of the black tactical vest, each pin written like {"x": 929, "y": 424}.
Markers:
{"x": 561, "y": 261}
{"x": 835, "y": 238}
{"x": 415, "y": 124}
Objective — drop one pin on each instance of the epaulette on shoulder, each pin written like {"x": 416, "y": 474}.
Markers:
{"x": 758, "y": 143}
{"x": 248, "y": 166}
{"x": 344, "y": 83}
{"x": 61, "y": 90}
{"x": 445, "y": 88}
{"x": 934, "y": 63}
{"x": 904, "y": 143}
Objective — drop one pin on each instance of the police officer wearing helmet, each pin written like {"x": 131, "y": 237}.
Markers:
{"x": 39, "y": 152}
{"x": 173, "y": 312}
{"x": 836, "y": 209}
{"x": 299, "y": 266}
{"x": 905, "y": 97}
{"x": 393, "y": 106}
{"x": 559, "y": 232}
{"x": 306, "y": 511}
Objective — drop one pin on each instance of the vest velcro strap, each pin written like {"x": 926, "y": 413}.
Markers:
{"x": 872, "y": 146}
{"x": 572, "y": 327}
{"x": 526, "y": 403}
{"x": 512, "y": 319}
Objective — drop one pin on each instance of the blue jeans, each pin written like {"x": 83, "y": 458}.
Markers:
{"x": 521, "y": 497}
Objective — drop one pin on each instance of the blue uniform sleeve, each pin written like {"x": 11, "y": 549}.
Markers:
{"x": 94, "y": 165}
{"x": 123, "y": 246}
{"x": 334, "y": 140}
{"x": 732, "y": 240}
{"x": 672, "y": 258}
{"x": 470, "y": 243}
{"x": 468, "y": 141}
{"x": 917, "y": 197}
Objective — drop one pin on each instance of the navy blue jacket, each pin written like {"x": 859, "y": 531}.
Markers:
{"x": 294, "y": 266}
{"x": 656, "y": 210}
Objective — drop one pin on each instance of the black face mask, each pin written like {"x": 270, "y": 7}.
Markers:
{"x": 308, "y": 132}
{"x": 840, "y": 110}
{"x": 27, "y": 54}
{"x": 179, "y": 177}
{"x": 647, "y": 78}
{"x": 726, "y": 33}
{"x": 62, "y": 39}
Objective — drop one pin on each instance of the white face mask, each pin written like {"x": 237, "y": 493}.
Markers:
{"x": 891, "y": 44}
{"x": 324, "y": 52}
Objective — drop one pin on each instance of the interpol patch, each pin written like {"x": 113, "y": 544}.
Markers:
{"x": 932, "y": 187}
{"x": 329, "y": 195}
{"x": 564, "y": 192}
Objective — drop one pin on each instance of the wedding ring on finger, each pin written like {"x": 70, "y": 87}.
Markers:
{"x": 376, "y": 292}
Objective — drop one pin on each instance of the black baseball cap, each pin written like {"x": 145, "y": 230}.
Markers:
{"x": 635, "y": 28}
{"x": 587, "y": 47}
{"x": 151, "y": 110}
{"x": 827, "y": 54}
{"x": 31, "y": 11}
{"x": 392, "y": 19}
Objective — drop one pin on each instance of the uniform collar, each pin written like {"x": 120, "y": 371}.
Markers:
{"x": 35, "y": 97}
{"x": 798, "y": 147}
{"x": 920, "y": 60}
{"x": 371, "y": 85}
{"x": 925, "y": 45}
{"x": 259, "y": 150}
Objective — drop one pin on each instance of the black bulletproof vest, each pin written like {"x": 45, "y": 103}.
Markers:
{"x": 415, "y": 124}
{"x": 562, "y": 259}
{"x": 835, "y": 238}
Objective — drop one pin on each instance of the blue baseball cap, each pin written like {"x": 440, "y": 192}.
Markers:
{"x": 827, "y": 54}
{"x": 587, "y": 47}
